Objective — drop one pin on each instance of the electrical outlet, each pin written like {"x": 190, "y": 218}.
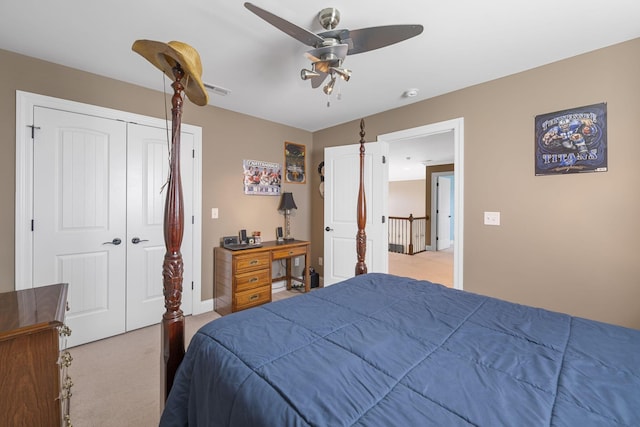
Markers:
{"x": 320, "y": 261}
{"x": 214, "y": 213}
{"x": 492, "y": 218}
{"x": 296, "y": 262}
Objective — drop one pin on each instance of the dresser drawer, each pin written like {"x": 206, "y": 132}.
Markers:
{"x": 289, "y": 252}
{"x": 252, "y": 261}
{"x": 253, "y": 297}
{"x": 253, "y": 279}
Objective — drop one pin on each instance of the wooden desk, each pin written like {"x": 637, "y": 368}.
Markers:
{"x": 243, "y": 278}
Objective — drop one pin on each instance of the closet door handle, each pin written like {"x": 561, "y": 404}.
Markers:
{"x": 328, "y": 228}
{"x": 137, "y": 240}
{"x": 115, "y": 241}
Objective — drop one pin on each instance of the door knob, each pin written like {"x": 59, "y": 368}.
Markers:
{"x": 328, "y": 228}
{"x": 137, "y": 240}
{"x": 115, "y": 241}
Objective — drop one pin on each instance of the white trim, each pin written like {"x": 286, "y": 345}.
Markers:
{"x": 457, "y": 126}
{"x": 25, "y": 103}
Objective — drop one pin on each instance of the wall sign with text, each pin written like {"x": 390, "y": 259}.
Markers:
{"x": 571, "y": 141}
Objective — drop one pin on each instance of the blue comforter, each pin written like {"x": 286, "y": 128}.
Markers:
{"x": 381, "y": 350}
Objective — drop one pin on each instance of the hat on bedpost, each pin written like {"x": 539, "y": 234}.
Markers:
{"x": 165, "y": 56}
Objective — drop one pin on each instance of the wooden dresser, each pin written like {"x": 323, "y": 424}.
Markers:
{"x": 33, "y": 380}
{"x": 243, "y": 278}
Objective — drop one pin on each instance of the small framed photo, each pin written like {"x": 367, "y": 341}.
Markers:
{"x": 295, "y": 163}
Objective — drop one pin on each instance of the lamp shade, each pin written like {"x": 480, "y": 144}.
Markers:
{"x": 286, "y": 202}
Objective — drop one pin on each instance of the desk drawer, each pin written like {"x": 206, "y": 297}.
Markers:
{"x": 252, "y": 261}
{"x": 253, "y": 297}
{"x": 253, "y": 279}
{"x": 289, "y": 252}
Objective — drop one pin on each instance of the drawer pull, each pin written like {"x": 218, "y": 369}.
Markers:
{"x": 290, "y": 252}
{"x": 253, "y": 280}
{"x": 64, "y": 331}
{"x": 65, "y": 359}
{"x": 254, "y": 297}
{"x": 254, "y": 262}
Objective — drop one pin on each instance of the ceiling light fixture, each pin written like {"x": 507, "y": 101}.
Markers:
{"x": 217, "y": 89}
{"x": 410, "y": 93}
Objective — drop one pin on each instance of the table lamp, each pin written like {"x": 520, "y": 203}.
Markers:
{"x": 286, "y": 204}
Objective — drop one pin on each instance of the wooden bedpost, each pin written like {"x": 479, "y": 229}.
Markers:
{"x": 361, "y": 236}
{"x": 181, "y": 63}
{"x": 173, "y": 266}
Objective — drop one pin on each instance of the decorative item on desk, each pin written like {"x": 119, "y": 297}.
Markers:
{"x": 286, "y": 204}
{"x": 256, "y": 237}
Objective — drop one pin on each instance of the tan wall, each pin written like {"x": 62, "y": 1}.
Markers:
{"x": 407, "y": 197}
{"x": 228, "y": 138}
{"x": 566, "y": 243}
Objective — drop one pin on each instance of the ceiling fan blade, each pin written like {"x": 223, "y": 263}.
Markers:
{"x": 366, "y": 39}
{"x": 311, "y": 57}
{"x": 339, "y": 51}
{"x": 298, "y": 33}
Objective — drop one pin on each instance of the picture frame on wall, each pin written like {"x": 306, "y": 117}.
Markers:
{"x": 295, "y": 171}
{"x": 261, "y": 178}
{"x": 571, "y": 141}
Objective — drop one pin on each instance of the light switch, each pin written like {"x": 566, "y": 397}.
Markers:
{"x": 492, "y": 218}
{"x": 214, "y": 213}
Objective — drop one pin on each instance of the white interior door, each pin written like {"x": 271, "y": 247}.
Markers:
{"x": 443, "y": 216}
{"x": 342, "y": 180}
{"x": 147, "y": 171}
{"x": 79, "y": 196}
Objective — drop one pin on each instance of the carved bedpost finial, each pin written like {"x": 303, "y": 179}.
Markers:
{"x": 361, "y": 236}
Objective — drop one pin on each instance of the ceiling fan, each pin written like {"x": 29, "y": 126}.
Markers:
{"x": 332, "y": 46}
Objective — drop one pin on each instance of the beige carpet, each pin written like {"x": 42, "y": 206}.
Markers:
{"x": 436, "y": 267}
{"x": 117, "y": 380}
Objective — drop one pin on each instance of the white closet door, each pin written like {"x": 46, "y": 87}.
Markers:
{"x": 79, "y": 198}
{"x": 147, "y": 171}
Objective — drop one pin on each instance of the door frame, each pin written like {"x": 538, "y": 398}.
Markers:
{"x": 434, "y": 207}
{"x": 457, "y": 126}
{"x": 25, "y": 102}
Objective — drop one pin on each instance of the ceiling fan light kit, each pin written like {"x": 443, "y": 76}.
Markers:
{"x": 331, "y": 47}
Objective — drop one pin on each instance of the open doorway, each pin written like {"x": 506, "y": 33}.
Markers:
{"x": 447, "y": 140}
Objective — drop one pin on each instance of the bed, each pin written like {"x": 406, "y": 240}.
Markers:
{"x": 383, "y": 350}
{"x": 378, "y": 349}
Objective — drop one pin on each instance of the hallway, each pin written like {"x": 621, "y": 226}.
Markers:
{"x": 434, "y": 266}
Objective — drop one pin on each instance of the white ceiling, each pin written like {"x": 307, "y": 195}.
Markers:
{"x": 465, "y": 42}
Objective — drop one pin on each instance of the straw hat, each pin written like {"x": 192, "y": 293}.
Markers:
{"x": 165, "y": 56}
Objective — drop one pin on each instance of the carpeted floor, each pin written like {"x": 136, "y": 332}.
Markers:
{"x": 117, "y": 380}
{"x": 436, "y": 267}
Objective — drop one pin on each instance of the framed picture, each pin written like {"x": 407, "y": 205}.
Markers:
{"x": 571, "y": 141}
{"x": 295, "y": 166}
{"x": 261, "y": 178}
